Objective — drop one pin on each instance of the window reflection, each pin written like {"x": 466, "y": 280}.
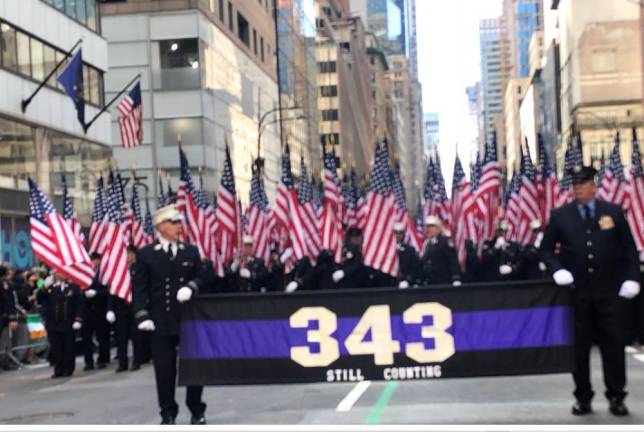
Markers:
{"x": 190, "y": 130}
{"x": 24, "y": 61}
{"x": 37, "y": 61}
{"x": 8, "y": 47}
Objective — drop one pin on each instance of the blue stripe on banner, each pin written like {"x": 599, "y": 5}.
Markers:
{"x": 472, "y": 331}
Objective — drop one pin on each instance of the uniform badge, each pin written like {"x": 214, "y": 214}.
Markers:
{"x": 186, "y": 263}
{"x": 181, "y": 246}
{"x": 349, "y": 255}
{"x": 157, "y": 247}
{"x": 606, "y": 223}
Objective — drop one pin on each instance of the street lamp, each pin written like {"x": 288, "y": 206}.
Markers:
{"x": 261, "y": 126}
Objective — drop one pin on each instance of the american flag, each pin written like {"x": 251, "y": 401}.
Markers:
{"x": 148, "y": 226}
{"x": 131, "y": 118}
{"x": 116, "y": 189}
{"x": 614, "y": 187}
{"x": 488, "y": 192}
{"x": 528, "y": 197}
{"x": 98, "y": 217}
{"x": 636, "y": 210}
{"x": 379, "y": 247}
{"x": 194, "y": 229}
{"x": 548, "y": 185}
{"x": 512, "y": 209}
{"x": 464, "y": 212}
{"x": 113, "y": 268}
{"x": 331, "y": 223}
{"x": 139, "y": 237}
{"x": 162, "y": 201}
{"x": 475, "y": 172}
{"x": 428, "y": 189}
{"x": 54, "y": 242}
{"x": 308, "y": 213}
{"x": 573, "y": 158}
{"x": 228, "y": 218}
{"x": 602, "y": 168}
{"x": 361, "y": 207}
{"x": 258, "y": 218}
{"x": 207, "y": 226}
{"x": 440, "y": 203}
{"x": 350, "y": 193}
{"x": 69, "y": 214}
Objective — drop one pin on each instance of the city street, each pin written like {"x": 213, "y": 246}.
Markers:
{"x": 29, "y": 396}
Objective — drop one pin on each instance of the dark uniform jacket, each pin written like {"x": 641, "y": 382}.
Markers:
{"x": 409, "y": 264}
{"x": 493, "y": 258}
{"x": 356, "y": 274}
{"x": 7, "y": 305}
{"x": 529, "y": 263}
{"x": 258, "y": 280}
{"x": 320, "y": 277}
{"x": 275, "y": 280}
{"x": 97, "y": 305}
{"x": 156, "y": 278}
{"x": 61, "y": 307}
{"x": 439, "y": 262}
{"x": 599, "y": 253}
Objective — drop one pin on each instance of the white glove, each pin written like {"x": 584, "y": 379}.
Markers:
{"x": 338, "y": 275}
{"x": 542, "y": 267}
{"x": 110, "y": 317}
{"x": 505, "y": 269}
{"x": 245, "y": 273}
{"x": 147, "y": 325}
{"x": 291, "y": 287}
{"x": 403, "y": 284}
{"x": 184, "y": 294}
{"x": 286, "y": 255}
{"x": 629, "y": 289}
{"x": 538, "y": 240}
{"x": 563, "y": 277}
{"x": 500, "y": 242}
{"x": 49, "y": 281}
{"x": 234, "y": 266}
{"x": 456, "y": 283}
{"x": 77, "y": 325}
{"x": 90, "y": 293}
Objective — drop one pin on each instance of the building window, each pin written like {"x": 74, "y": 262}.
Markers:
{"x": 35, "y": 59}
{"x": 83, "y": 11}
{"x": 329, "y": 91}
{"x": 243, "y": 30}
{"x": 346, "y": 46}
{"x": 330, "y": 115}
{"x": 180, "y": 65}
{"x": 255, "y": 41}
{"x": 332, "y": 138}
{"x": 221, "y": 10}
{"x": 327, "y": 67}
{"x": 231, "y": 24}
{"x": 261, "y": 47}
{"x": 190, "y": 129}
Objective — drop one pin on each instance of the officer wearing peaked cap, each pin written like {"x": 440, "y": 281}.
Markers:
{"x": 248, "y": 274}
{"x": 166, "y": 274}
{"x": 407, "y": 258}
{"x": 530, "y": 265}
{"x": 439, "y": 260}
{"x": 598, "y": 260}
{"x": 499, "y": 256}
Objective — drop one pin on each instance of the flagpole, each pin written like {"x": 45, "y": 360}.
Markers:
{"x": 25, "y": 102}
{"x": 118, "y": 95}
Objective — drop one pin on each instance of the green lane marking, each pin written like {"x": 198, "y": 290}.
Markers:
{"x": 383, "y": 400}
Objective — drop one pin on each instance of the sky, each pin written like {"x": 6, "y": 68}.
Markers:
{"x": 448, "y": 62}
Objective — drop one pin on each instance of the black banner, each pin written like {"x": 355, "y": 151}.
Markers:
{"x": 386, "y": 334}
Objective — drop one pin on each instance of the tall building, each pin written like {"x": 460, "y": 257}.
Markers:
{"x": 345, "y": 98}
{"x": 413, "y": 40}
{"x": 514, "y": 93}
{"x": 297, "y": 74}
{"x": 492, "y": 75}
{"x": 475, "y": 108}
{"x": 600, "y": 50}
{"x": 46, "y": 141}
{"x": 388, "y": 20}
{"x": 521, "y": 19}
{"x": 432, "y": 133}
{"x": 208, "y": 76}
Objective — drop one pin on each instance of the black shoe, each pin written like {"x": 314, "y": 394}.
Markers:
{"x": 581, "y": 408}
{"x": 167, "y": 420}
{"x": 57, "y": 375}
{"x": 121, "y": 369}
{"x": 617, "y": 408}
{"x": 201, "y": 420}
{"x": 101, "y": 366}
{"x": 135, "y": 366}
{"x": 68, "y": 373}
{"x": 88, "y": 367}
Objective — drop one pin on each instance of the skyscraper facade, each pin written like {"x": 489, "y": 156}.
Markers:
{"x": 490, "y": 34}
{"x": 388, "y": 20}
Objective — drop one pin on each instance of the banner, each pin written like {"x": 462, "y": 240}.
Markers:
{"x": 384, "y": 334}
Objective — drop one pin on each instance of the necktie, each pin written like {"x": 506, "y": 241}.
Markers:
{"x": 587, "y": 215}
{"x": 169, "y": 252}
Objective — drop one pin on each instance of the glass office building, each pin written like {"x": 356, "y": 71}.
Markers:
{"x": 389, "y": 21}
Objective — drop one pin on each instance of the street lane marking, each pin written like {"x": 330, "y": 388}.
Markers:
{"x": 383, "y": 400}
{"x": 347, "y": 403}
{"x": 639, "y": 357}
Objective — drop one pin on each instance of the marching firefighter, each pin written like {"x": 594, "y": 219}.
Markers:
{"x": 352, "y": 273}
{"x": 530, "y": 265}
{"x": 166, "y": 274}
{"x": 94, "y": 324}
{"x": 409, "y": 263}
{"x": 248, "y": 274}
{"x": 598, "y": 260}
{"x": 499, "y": 257}
{"x": 439, "y": 261}
{"x": 62, "y": 305}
